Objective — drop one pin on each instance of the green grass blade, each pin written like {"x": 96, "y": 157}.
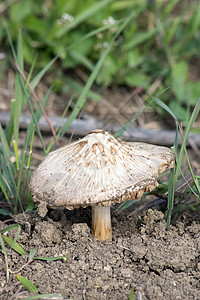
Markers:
{"x": 9, "y": 228}
{"x": 172, "y": 178}
{"x": 18, "y": 106}
{"x": 4, "y": 142}
{"x": 33, "y": 114}
{"x": 31, "y": 71}
{"x": 31, "y": 254}
{"x": 123, "y": 129}
{"x": 18, "y": 91}
{"x": 6, "y": 165}
{"x": 189, "y": 186}
{"x": 82, "y": 59}
{"x": 78, "y": 88}
{"x": 8, "y": 189}
{"x": 20, "y": 86}
{"x": 20, "y": 181}
{"x": 20, "y": 59}
{"x": 188, "y": 128}
{"x": 126, "y": 204}
{"x": 11, "y": 44}
{"x": 164, "y": 106}
{"x": 30, "y": 151}
{"x": 52, "y": 258}
{"x": 30, "y": 202}
{"x": 38, "y": 114}
{"x": 197, "y": 184}
{"x": 14, "y": 245}
{"x": 5, "y": 212}
{"x": 131, "y": 296}
{"x": 7, "y": 178}
{"x": 57, "y": 130}
{"x": 16, "y": 154}
{"x": 141, "y": 37}
{"x": 81, "y": 100}
{"x": 2, "y": 244}
{"x": 16, "y": 236}
{"x": 176, "y": 141}
{"x": 169, "y": 6}
{"x": 171, "y": 187}
{"x": 3, "y": 189}
{"x": 27, "y": 284}
{"x": 5, "y": 256}
{"x": 39, "y": 76}
{"x": 10, "y": 124}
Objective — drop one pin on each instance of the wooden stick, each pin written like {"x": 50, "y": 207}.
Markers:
{"x": 87, "y": 123}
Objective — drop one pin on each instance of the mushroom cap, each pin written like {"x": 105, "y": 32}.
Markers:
{"x": 98, "y": 170}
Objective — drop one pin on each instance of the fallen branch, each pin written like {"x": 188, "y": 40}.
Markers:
{"x": 87, "y": 123}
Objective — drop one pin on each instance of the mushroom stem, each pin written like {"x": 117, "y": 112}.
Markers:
{"x": 101, "y": 223}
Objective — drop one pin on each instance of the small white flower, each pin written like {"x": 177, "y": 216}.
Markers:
{"x": 109, "y": 21}
{"x": 99, "y": 46}
{"x": 105, "y": 44}
{"x": 65, "y": 18}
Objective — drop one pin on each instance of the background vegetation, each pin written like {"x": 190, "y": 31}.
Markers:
{"x": 161, "y": 42}
{"x": 127, "y": 43}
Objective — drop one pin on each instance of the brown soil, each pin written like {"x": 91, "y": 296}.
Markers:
{"x": 143, "y": 256}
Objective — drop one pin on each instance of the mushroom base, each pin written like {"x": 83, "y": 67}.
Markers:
{"x": 101, "y": 223}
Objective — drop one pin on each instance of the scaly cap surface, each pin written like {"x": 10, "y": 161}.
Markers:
{"x": 98, "y": 170}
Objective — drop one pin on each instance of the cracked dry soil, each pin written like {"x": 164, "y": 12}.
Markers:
{"x": 158, "y": 264}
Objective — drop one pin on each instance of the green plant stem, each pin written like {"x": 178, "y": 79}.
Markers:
{"x": 5, "y": 257}
{"x": 38, "y": 102}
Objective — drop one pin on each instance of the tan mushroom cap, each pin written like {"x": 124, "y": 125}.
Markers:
{"x": 98, "y": 170}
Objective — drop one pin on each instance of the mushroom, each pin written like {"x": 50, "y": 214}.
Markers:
{"x": 98, "y": 170}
